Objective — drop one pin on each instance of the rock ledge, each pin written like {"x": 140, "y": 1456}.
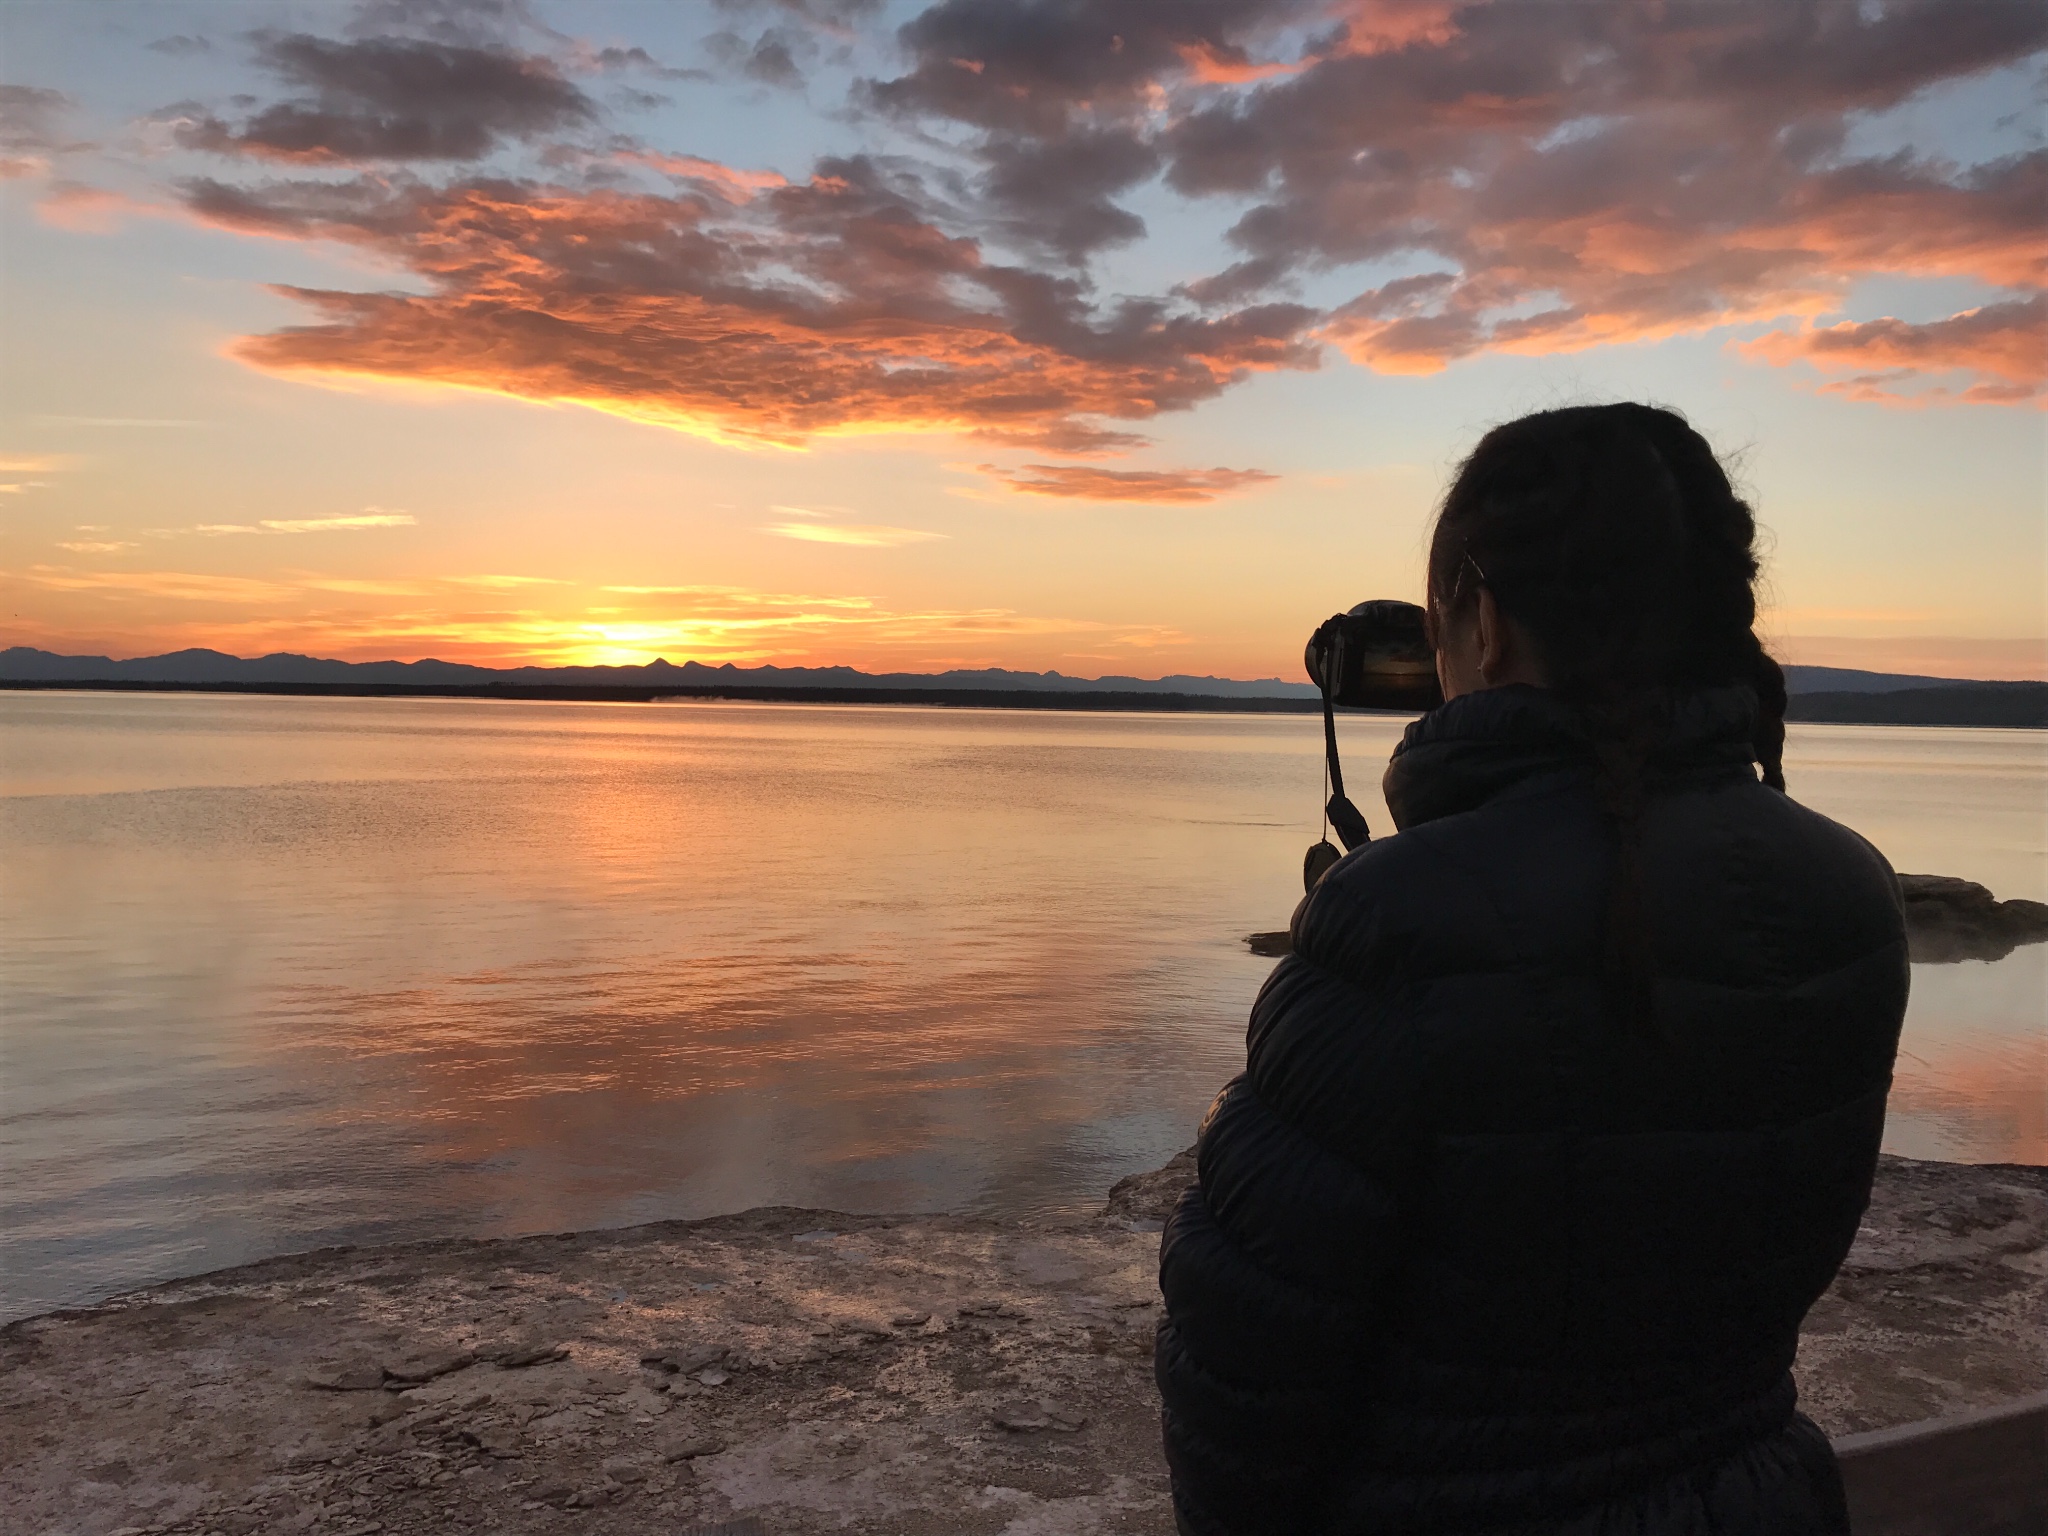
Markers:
{"x": 930, "y": 1376}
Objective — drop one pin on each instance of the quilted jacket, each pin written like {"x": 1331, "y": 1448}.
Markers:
{"x": 1469, "y": 1252}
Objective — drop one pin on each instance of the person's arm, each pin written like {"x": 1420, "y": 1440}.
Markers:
{"x": 1269, "y": 1265}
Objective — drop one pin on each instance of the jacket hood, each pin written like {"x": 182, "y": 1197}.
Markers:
{"x": 1479, "y": 745}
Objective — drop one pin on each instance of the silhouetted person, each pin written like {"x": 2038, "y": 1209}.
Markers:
{"x": 1566, "y": 1105}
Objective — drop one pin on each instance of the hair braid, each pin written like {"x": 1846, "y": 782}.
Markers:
{"x": 1723, "y": 646}
{"x": 1614, "y": 536}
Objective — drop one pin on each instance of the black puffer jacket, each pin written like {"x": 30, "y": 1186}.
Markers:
{"x": 1467, "y": 1255}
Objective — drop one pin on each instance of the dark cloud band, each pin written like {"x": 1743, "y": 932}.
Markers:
{"x": 390, "y": 98}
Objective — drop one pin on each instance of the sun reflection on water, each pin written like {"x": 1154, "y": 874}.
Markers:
{"x": 293, "y": 971}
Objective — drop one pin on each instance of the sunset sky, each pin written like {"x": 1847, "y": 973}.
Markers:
{"x": 1108, "y": 335}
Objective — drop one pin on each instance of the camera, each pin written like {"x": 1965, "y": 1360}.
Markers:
{"x": 1377, "y": 656}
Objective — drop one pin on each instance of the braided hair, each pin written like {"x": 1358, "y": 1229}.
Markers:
{"x": 1612, "y": 535}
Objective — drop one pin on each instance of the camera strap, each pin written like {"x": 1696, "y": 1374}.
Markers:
{"x": 1341, "y": 813}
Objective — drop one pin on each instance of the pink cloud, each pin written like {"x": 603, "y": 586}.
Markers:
{"x": 2000, "y": 351}
{"x": 1087, "y": 483}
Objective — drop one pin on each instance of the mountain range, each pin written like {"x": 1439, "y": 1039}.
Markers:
{"x": 23, "y": 663}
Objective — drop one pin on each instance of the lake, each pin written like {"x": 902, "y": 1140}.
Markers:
{"x": 283, "y": 972}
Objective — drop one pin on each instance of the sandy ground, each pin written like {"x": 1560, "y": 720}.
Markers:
{"x": 816, "y": 1371}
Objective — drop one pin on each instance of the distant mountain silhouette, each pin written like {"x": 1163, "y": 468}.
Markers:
{"x": 26, "y": 664}
{"x": 1850, "y": 680}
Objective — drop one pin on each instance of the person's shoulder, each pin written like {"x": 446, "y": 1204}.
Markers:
{"x": 1818, "y": 866}
{"x": 1819, "y": 833}
{"x": 1431, "y": 900}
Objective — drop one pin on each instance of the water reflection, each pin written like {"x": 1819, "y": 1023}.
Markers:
{"x": 1972, "y": 1077}
{"x": 1975, "y": 1088}
{"x": 288, "y": 971}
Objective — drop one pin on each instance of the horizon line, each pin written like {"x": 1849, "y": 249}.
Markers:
{"x": 810, "y": 666}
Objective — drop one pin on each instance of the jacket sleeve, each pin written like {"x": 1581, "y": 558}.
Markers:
{"x": 1270, "y": 1264}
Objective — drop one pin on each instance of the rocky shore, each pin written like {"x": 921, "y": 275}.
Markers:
{"x": 916, "y": 1376}
{"x": 1949, "y": 919}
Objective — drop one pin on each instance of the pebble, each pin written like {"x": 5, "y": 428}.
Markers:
{"x": 689, "y": 1446}
{"x": 687, "y": 1361}
{"x": 1021, "y": 1417}
{"x": 1026, "y": 1417}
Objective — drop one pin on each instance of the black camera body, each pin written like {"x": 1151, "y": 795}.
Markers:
{"x": 1377, "y": 656}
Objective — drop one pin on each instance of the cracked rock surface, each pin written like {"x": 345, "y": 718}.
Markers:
{"x": 927, "y": 1376}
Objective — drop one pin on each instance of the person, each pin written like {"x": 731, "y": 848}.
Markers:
{"x": 1567, "y": 1103}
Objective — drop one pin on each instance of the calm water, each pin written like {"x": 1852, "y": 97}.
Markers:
{"x": 282, "y": 972}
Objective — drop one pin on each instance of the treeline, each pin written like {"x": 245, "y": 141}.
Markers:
{"x": 2006, "y": 704}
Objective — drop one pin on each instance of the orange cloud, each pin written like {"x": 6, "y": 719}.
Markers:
{"x": 370, "y": 518}
{"x": 675, "y": 310}
{"x": 1087, "y": 483}
{"x": 735, "y": 186}
{"x": 2003, "y": 347}
{"x": 1628, "y": 273}
{"x": 183, "y": 586}
{"x": 1209, "y": 64}
{"x": 1375, "y": 26}
{"x": 1549, "y": 179}
{"x": 1614, "y": 175}
{"x": 1563, "y": 178}
{"x": 85, "y": 210}
{"x": 858, "y": 535}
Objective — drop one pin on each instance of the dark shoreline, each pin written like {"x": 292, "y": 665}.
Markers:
{"x": 1997, "y": 706}
{"x": 2022, "y": 706}
{"x": 951, "y": 698}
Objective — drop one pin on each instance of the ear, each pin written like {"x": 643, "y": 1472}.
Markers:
{"x": 1493, "y": 638}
